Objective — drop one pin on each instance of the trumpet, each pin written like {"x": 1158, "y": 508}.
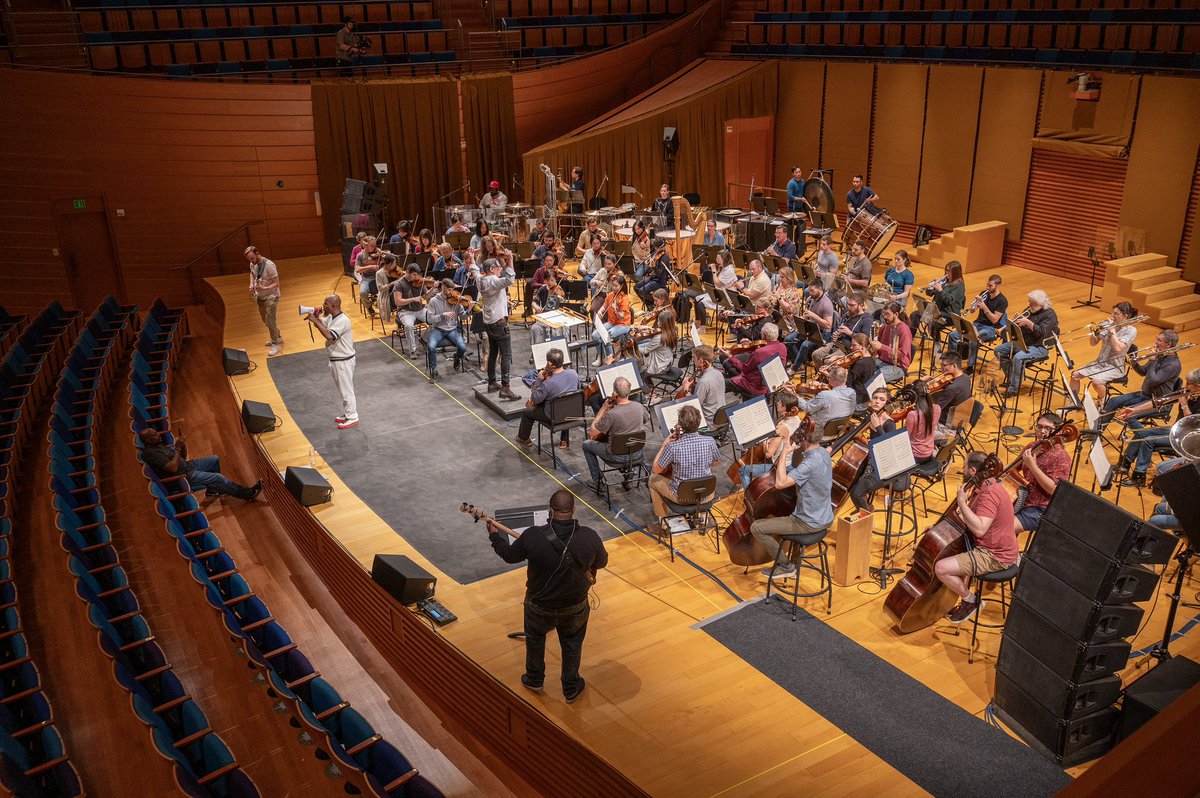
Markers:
{"x": 978, "y": 301}
{"x": 939, "y": 282}
{"x": 1024, "y": 314}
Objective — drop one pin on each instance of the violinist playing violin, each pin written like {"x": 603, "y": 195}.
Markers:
{"x": 549, "y": 266}
{"x": 548, "y": 297}
{"x": 921, "y": 421}
{"x": 744, "y": 376}
{"x": 708, "y": 384}
{"x": 861, "y": 369}
{"x": 408, "y": 298}
{"x": 445, "y": 321}
{"x": 856, "y": 320}
{"x": 957, "y": 388}
{"x": 987, "y": 515}
{"x": 749, "y": 328}
{"x": 549, "y": 246}
{"x": 1042, "y": 471}
{"x": 787, "y": 410}
{"x": 813, "y": 514}
{"x": 658, "y": 275}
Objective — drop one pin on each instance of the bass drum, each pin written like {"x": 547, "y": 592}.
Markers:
{"x": 874, "y": 228}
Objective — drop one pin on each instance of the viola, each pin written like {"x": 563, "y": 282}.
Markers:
{"x": 920, "y": 598}
{"x": 809, "y": 388}
{"x": 844, "y": 362}
{"x": 748, "y": 320}
{"x": 743, "y": 348}
{"x": 762, "y": 500}
{"x": 938, "y": 382}
{"x": 456, "y": 298}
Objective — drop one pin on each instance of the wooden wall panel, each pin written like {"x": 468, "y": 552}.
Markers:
{"x": 799, "y": 115}
{"x": 896, "y": 145}
{"x": 947, "y": 164}
{"x": 1162, "y": 159}
{"x": 1188, "y": 261}
{"x": 846, "y": 126}
{"x": 187, "y": 162}
{"x": 1004, "y": 147}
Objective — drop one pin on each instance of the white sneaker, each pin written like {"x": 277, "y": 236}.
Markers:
{"x": 273, "y": 351}
{"x": 272, "y": 343}
{"x": 598, "y": 361}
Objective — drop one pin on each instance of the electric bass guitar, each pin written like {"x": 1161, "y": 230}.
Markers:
{"x": 479, "y": 514}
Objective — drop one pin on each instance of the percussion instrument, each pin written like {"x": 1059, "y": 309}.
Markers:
{"x": 623, "y": 228}
{"x": 819, "y": 195}
{"x": 874, "y": 228}
{"x": 626, "y": 208}
{"x": 469, "y": 214}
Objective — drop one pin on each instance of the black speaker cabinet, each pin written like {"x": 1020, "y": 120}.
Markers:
{"x": 1096, "y": 575}
{"x": 1067, "y": 742}
{"x": 1181, "y": 488}
{"x": 670, "y": 142}
{"x": 1108, "y": 529}
{"x": 1151, "y": 692}
{"x": 406, "y": 581}
{"x": 1071, "y": 611}
{"x": 307, "y": 485}
{"x": 1069, "y": 655}
{"x": 236, "y": 362}
{"x": 258, "y": 417}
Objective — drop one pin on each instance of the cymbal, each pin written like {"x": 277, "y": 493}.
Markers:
{"x": 593, "y": 214}
{"x": 819, "y": 195}
{"x": 793, "y": 216}
{"x": 517, "y": 207}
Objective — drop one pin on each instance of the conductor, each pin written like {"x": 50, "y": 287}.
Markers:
{"x": 563, "y": 560}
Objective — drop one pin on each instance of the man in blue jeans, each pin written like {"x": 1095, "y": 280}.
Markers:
{"x": 992, "y": 319}
{"x": 444, "y": 320}
{"x": 1148, "y": 440}
{"x": 563, "y": 559}
{"x": 202, "y": 472}
{"x": 1040, "y": 324}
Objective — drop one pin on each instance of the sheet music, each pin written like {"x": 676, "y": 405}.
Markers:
{"x": 773, "y": 373}
{"x": 622, "y": 368}
{"x": 696, "y": 340}
{"x": 877, "y": 383}
{"x": 553, "y": 318}
{"x": 892, "y": 454}
{"x": 1090, "y": 411}
{"x": 668, "y": 412}
{"x": 1062, "y": 353}
{"x": 600, "y": 328}
{"x": 751, "y": 421}
{"x": 1067, "y": 387}
{"x": 1099, "y": 460}
{"x": 539, "y": 351}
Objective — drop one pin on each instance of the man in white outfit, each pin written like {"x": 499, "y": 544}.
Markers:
{"x": 339, "y": 348}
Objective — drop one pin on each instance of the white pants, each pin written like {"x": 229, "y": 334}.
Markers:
{"x": 343, "y": 380}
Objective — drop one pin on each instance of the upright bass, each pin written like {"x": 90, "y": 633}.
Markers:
{"x": 920, "y": 598}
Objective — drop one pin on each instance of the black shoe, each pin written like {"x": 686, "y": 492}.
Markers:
{"x": 458, "y": 361}
{"x": 252, "y": 492}
{"x": 964, "y": 610}
{"x": 627, "y": 482}
{"x": 211, "y": 494}
{"x": 1134, "y": 480}
{"x": 433, "y": 375}
{"x": 529, "y": 684}
{"x": 573, "y": 697}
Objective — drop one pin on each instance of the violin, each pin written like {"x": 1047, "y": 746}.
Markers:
{"x": 920, "y": 598}
{"x": 938, "y": 382}
{"x": 806, "y": 388}
{"x": 742, "y": 348}
{"x": 844, "y": 362}
{"x": 456, "y": 298}
{"x": 748, "y": 320}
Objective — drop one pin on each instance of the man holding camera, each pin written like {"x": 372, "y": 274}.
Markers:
{"x": 264, "y": 287}
{"x": 348, "y": 47}
{"x": 339, "y": 348}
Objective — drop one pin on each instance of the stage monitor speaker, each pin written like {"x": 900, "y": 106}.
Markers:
{"x": 670, "y": 142}
{"x": 307, "y": 486}
{"x": 760, "y": 235}
{"x": 1063, "y": 699}
{"x": 1067, "y": 742}
{"x": 357, "y": 205}
{"x": 258, "y": 417}
{"x": 1095, "y": 575}
{"x": 1072, "y": 612}
{"x": 354, "y": 188}
{"x": 406, "y": 581}
{"x": 1107, "y": 528}
{"x": 1070, "y": 656}
{"x": 236, "y": 361}
{"x": 1181, "y": 488}
{"x": 1151, "y": 692}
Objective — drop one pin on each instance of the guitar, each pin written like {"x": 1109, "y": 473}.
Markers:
{"x": 479, "y": 514}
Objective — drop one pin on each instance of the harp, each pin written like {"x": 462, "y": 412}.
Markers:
{"x": 696, "y": 218}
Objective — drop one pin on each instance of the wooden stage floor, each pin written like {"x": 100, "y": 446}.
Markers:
{"x": 666, "y": 704}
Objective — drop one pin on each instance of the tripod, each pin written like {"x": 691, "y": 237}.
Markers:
{"x": 1161, "y": 651}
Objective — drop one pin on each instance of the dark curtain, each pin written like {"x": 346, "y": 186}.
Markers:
{"x": 489, "y": 127}
{"x": 407, "y": 124}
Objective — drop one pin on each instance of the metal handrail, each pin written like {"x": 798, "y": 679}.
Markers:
{"x": 197, "y": 259}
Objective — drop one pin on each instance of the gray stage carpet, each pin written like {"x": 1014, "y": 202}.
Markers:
{"x": 930, "y": 740}
{"x": 418, "y": 454}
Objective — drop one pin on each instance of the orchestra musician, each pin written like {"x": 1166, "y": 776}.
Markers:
{"x": 576, "y": 184}
{"x": 759, "y": 283}
{"x": 827, "y": 262}
{"x": 424, "y": 241}
{"x": 949, "y": 296}
{"x": 386, "y": 278}
{"x": 749, "y": 328}
{"x": 639, "y": 247}
{"x": 1114, "y": 342}
{"x": 408, "y": 298}
{"x": 466, "y": 273}
{"x": 584, "y": 243}
{"x": 617, "y": 416}
{"x": 603, "y": 276}
{"x": 796, "y": 203}
{"x": 899, "y": 279}
{"x": 744, "y": 377}
{"x": 457, "y": 225}
{"x": 658, "y": 275}
{"x": 658, "y": 351}
{"x": 554, "y": 380}
{"x": 1041, "y": 472}
{"x": 539, "y": 230}
{"x": 787, "y": 411}
{"x": 366, "y": 265}
{"x": 859, "y": 196}
{"x": 1158, "y": 373}
{"x": 859, "y": 268}
{"x": 893, "y": 347}
{"x": 856, "y": 321}
{"x": 820, "y": 312}
{"x": 549, "y": 262}
{"x": 592, "y": 259}
{"x": 708, "y": 383}
{"x": 838, "y": 401}
{"x": 813, "y": 512}
{"x": 712, "y": 236}
{"x": 549, "y": 296}
{"x": 987, "y": 516}
{"x": 1039, "y": 325}
{"x": 482, "y": 230}
{"x": 991, "y": 321}
{"x": 549, "y": 246}
{"x": 957, "y": 392}
{"x": 618, "y": 316}
{"x": 921, "y": 422}
{"x": 788, "y": 295}
{"x": 663, "y": 209}
{"x": 399, "y": 241}
{"x": 446, "y": 259}
{"x": 685, "y": 455}
{"x": 783, "y": 246}
{"x": 1148, "y": 440}
{"x": 493, "y": 293}
{"x": 861, "y": 371}
{"x": 445, "y": 323}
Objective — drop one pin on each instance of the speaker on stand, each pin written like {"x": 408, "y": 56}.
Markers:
{"x": 670, "y": 148}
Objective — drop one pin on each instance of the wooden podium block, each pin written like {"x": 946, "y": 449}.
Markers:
{"x": 852, "y": 541}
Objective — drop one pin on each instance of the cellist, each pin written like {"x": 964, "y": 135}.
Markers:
{"x": 813, "y": 514}
{"x": 787, "y": 410}
{"x": 988, "y": 516}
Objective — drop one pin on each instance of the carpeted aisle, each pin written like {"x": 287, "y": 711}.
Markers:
{"x": 418, "y": 454}
{"x": 929, "y": 739}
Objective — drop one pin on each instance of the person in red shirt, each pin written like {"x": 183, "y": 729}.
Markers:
{"x": 1042, "y": 472}
{"x": 893, "y": 347}
{"x": 988, "y": 517}
{"x": 747, "y": 379}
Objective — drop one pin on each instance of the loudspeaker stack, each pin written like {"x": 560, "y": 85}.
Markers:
{"x": 1073, "y": 612}
{"x": 358, "y": 196}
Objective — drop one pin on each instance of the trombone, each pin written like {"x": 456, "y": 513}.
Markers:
{"x": 1146, "y": 354}
{"x": 1103, "y": 328}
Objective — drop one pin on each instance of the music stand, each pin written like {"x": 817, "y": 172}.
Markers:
{"x": 768, "y": 205}
{"x": 668, "y": 412}
{"x": 892, "y": 457}
{"x": 751, "y": 421}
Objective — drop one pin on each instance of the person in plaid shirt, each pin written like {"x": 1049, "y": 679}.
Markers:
{"x": 686, "y": 455}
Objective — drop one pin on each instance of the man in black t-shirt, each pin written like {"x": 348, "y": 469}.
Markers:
{"x": 563, "y": 559}
{"x": 203, "y": 472}
{"x": 959, "y": 389}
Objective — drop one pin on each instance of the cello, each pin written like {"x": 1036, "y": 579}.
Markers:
{"x": 756, "y": 454}
{"x": 920, "y": 598}
{"x": 762, "y": 500}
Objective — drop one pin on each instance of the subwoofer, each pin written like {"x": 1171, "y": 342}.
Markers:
{"x": 1151, "y": 692}
{"x": 406, "y": 581}
{"x": 307, "y": 486}
{"x": 236, "y": 361}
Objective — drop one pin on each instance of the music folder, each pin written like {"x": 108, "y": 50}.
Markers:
{"x": 668, "y": 412}
{"x": 892, "y": 454}
{"x": 606, "y": 375}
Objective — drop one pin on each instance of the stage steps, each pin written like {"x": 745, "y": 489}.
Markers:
{"x": 1154, "y": 288}
{"x": 978, "y": 247}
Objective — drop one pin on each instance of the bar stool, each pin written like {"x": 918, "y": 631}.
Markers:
{"x": 897, "y": 522}
{"x": 1004, "y": 579}
{"x": 796, "y": 551}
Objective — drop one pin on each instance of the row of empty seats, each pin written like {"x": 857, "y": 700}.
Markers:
{"x": 10, "y": 328}
{"x": 336, "y": 727}
{"x": 33, "y": 759}
{"x": 141, "y": 15}
{"x": 582, "y": 32}
{"x": 304, "y": 68}
{"x": 177, "y": 725}
{"x": 954, "y": 5}
{"x": 550, "y": 8}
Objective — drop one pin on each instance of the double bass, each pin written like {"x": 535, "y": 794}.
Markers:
{"x": 920, "y": 598}
{"x": 762, "y": 500}
{"x": 756, "y": 454}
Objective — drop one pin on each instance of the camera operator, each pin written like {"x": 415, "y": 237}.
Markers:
{"x": 349, "y": 44}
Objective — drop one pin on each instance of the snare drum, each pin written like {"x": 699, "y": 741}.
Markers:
{"x": 872, "y": 227}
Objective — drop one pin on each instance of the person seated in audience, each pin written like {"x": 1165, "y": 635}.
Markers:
{"x": 554, "y": 380}
{"x": 787, "y": 413}
{"x": 616, "y": 416}
{"x": 202, "y": 472}
{"x": 743, "y": 372}
{"x": 686, "y": 454}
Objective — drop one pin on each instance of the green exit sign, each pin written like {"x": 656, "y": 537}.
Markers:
{"x": 79, "y": 204}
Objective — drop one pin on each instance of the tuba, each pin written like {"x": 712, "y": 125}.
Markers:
{"x": 1185, "y": 437}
